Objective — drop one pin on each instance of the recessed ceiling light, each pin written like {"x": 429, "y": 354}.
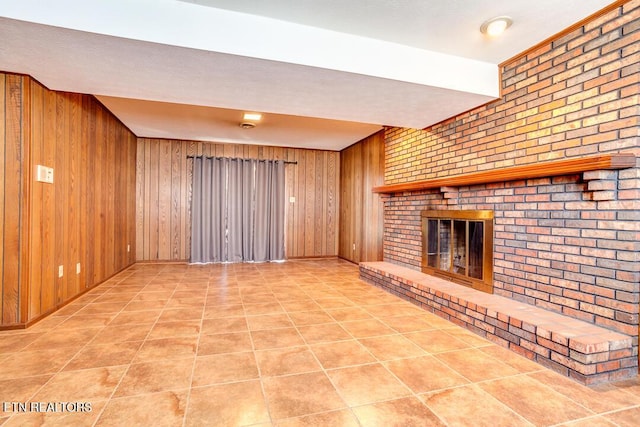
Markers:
{"x": 254, "y": 117}
{"x": 496, "y": 26}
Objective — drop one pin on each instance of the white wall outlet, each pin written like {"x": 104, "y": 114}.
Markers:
{"x": 44, "y": 174}
{"x": 128, "y": 248}
{"x": 78, "y": 268}
{"x": 354, "y": 246}
{"x": 292, "y": 199}
{"x": 60, "y": 271}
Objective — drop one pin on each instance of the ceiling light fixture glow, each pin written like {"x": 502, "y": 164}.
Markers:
{"x": 496, "y": 26}
{"x": 254, "y": 117}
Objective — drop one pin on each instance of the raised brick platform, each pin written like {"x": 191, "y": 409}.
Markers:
{"x": 587, "y": 353}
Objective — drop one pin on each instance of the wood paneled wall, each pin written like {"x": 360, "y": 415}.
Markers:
{"x": 163, "y": 221}
{"x": 361, "y": 211}
{"x": 86, "y": 217}
{"x": 12, "y": 204}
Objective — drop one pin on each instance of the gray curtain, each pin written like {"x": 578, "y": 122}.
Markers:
{"x": 237, "y": 210}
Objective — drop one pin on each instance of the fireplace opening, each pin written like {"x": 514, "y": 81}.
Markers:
{"x": 458, "y": 246}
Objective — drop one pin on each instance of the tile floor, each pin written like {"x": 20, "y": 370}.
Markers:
{"x": 302, "y": 343}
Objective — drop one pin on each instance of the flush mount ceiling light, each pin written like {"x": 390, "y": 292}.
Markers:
{"x": 249, "y": 120}
{"x": 496, "y": 26}
{"x": 252, "y": 117}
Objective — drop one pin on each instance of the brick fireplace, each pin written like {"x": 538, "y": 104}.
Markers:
{"x": 567, "y": 243}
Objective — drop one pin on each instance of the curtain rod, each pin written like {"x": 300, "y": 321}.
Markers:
{"x": 286, "y": 162}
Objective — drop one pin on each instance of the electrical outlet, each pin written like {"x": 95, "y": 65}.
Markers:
{"x": 292, "y": 199}
{"x": 128, "y": 248}
{"x": 354, "y": 246}
{"x": 78, "y": 268}
{"x": 60, "y": 271}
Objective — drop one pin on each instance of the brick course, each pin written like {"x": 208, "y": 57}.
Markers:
{"x": 570, "y": 244}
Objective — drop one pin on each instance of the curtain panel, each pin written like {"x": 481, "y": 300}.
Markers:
{"x": 237, "y": 210}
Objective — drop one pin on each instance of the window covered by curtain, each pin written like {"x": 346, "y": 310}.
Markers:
{"x": 237, "y": 210}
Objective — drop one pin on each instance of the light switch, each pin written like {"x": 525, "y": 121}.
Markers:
{"x": 78, "y": 268}
{"x": 44, "y": 174}
{"x": 60, "y": 271}
{"x": 292, "y": 199}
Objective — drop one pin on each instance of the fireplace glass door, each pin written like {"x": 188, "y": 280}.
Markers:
{"x": 458, "y": 245}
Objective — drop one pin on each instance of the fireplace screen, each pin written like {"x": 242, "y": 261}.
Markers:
{"x": 458, "y": 245}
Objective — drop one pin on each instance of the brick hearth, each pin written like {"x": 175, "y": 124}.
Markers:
{"x": 585, "y": 352}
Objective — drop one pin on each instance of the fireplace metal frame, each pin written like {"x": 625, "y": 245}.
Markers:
{"x": 486, "y": 217}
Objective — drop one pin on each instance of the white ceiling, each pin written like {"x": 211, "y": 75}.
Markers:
{"x": 325, "y": 73}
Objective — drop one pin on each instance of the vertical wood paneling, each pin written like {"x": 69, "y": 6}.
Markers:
{"x": 163, "y": 186}
{"x": 361, "y": 167}
{"x": 3, "y": 135}
{"x": 12, "y": 184}
{"x": 140, "y": 195}
{"x": 37, "y": 191}
{"x": 86, "y": 216}
{"x": 48, "y": 207}
{"x": 164, "y": 199}
{"x": 92, "y": 203}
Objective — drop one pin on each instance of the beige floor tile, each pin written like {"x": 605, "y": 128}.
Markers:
{"x": 82, "y": 386}
{"x": 303, "y": 304}
{"x": 312, "y": 317}
{"x": 183, "y": 328}
{"x": 227, "y": 310}
{"x": 475, "y": 365}
{"x": 326, "y": 332}
{"x": 95, "y": 356}
{"x": 179, "y": 314}
{"x": 18, "y": 341}
{"x": 224, "y": 368}
{"x": 598, "y": 398}
{"x": 367, "y": 328}
{"x": 535, "y": 401}
{"x": 341, "y": 354}
{"x": 21, "y": 389}
{"x": 257, "y": 308}
{"x": 120, "y": 333}
{"x": 268, "y": 321}
{"x": 364, "y": 384}
{"x": 224, "y": 343}
{"x": 392, "y": 347}
{"x": 411, "y": 323}
{"x": 224, "y": 324}
{"x": 409, "y": 412}
{"x": 157, "y": 409}
{"x": 135, "y": 317}
{"x": 521, "y": 363}
{"x": 597, "y": 421}
{"x": 292, "y": 360}
{"x": 276, "y": 338}
{"x": 167, "y": 348}
{"x": 133, "y": 343}
{"x": 235, "y": 404}
{"x": 289, "y": 396}
{"x": 423, "y": 374}
{"x": 32, "y": 363}
{"x": 156, "y": 376}
{"x": 349, "y": 313}
{"x": 82, "y": 321}
{"x": 625, "y": 417}
{"x": 343, "y": 418}
{"x": 467, "y": 337}
{"x": 471, "y": 406}
{"x": 436, "y": 341}
{"x": 60, "y": 337}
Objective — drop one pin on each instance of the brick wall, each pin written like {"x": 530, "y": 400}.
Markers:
{"x": 568, "y": 243}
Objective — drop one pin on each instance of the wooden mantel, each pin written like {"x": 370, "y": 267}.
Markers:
{"x": 537, "y": 170}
